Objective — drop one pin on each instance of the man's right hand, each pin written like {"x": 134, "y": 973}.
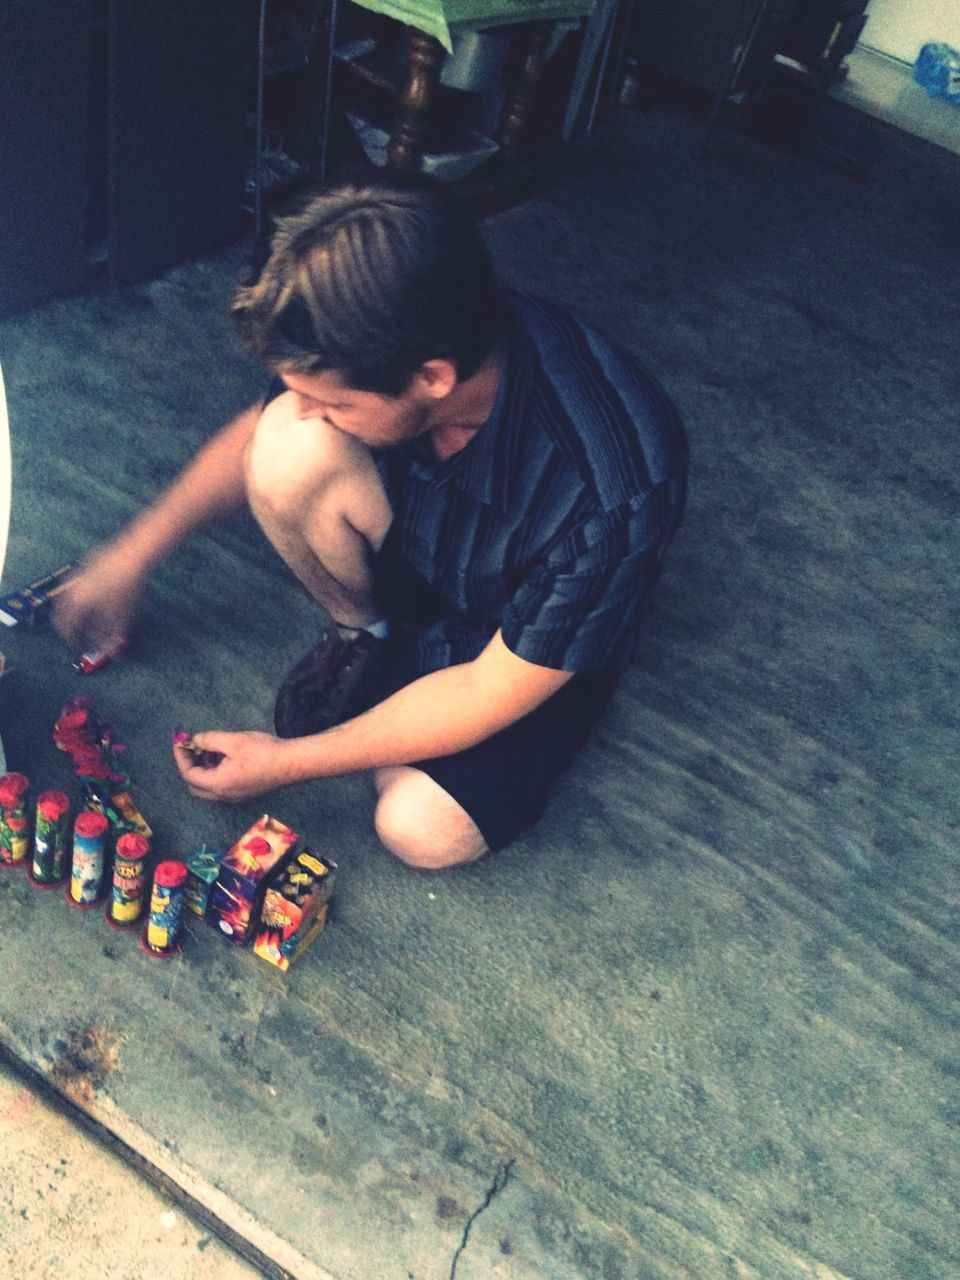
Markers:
{"x": 99, "y": 602}
{"x": 100, "y": 599}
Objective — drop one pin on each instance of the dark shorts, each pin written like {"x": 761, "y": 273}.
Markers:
{"x": 503, "y": 782}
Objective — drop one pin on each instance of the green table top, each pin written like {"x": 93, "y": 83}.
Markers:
{"x": 447, "y": 18}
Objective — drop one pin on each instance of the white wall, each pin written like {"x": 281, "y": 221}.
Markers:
{"x": 900, "y": 27}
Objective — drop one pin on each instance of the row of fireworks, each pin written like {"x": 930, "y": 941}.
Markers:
{"x": 80, "y": 861}
{"x": 263, "y": 890}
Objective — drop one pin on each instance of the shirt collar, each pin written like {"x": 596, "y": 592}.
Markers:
{"x": 485, "y": 468}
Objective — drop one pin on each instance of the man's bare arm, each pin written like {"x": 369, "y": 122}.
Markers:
{"x": 102, "y": 597}
{"x": 437, "y": 715}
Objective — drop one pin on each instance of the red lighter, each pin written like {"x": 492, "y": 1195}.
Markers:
{"x": 94, "y": 659}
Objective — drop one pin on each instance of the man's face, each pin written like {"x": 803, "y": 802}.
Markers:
{"x": 376, "y": 420}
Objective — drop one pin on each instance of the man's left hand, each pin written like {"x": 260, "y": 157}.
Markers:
{"x": 252, "y": 763}
{"x": 435, "y": 715}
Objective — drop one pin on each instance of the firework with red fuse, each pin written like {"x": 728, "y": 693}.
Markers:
{"x": 159, "y": 938}
{"x": 88, "y": 867}
{"x": 14, "y": 837}
{"x": 129, "y": 880}
{"x": 50, "y": 839}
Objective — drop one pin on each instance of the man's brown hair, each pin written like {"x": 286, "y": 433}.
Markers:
{"x": 370, "y": 279}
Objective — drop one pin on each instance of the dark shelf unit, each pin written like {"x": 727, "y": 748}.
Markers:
{"x": 122, "y": 143}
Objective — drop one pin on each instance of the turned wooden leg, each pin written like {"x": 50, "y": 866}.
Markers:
{"x": 520, "y": 95}
{"x": 424, "y": 55}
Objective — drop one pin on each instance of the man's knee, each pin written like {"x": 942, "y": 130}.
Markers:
{"x": 273, "y": 477}
{"x": 294, "y": 466}
{"x": 289, "y": 457}
{"x": 423, "y": 826}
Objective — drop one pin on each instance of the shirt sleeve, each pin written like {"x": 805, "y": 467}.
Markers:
{"x": 580, "y": 606}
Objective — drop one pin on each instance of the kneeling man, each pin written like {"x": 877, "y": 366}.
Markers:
{"x": 478, "y": 488}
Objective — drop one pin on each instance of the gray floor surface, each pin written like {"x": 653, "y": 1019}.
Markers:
{"x": 71, "y": 1208}
{"x": 702, "y": 1020}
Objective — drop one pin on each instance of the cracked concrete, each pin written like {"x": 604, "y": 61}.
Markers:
{"x": 499, "y": 1182}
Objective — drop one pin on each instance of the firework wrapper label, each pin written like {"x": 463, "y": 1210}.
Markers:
{"x": 294, "y": 909}
{"x": 89, "y": 864}
{"x": 203, "y": 867}
{"x": 166, "y": 909}
{"x": 50, "y": 837}
{"x": 239, "y": 887}
{"x": 129, "y": 879}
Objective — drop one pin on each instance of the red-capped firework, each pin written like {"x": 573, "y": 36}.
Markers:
{"x": 14, "y": 825}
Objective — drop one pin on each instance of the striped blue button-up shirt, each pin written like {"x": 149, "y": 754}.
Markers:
{"x": 553, "y": 522}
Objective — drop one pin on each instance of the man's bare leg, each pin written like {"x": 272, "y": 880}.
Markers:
{"x": 317, "y": 496}
{"x": 421, "y": 824}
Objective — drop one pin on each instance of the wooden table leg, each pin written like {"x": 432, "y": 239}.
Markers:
{"x": 520, "y": 96}
{"x": 424, "y": 55}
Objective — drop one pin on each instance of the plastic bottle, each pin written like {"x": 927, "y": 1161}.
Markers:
{"x": 937, "y": 69}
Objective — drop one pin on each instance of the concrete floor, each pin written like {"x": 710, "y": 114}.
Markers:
{"x": 701, "y": 1021}
{"x": 69, "y": 1208}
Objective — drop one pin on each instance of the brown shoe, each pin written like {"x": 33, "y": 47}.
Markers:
{"x": 327, "y": 684}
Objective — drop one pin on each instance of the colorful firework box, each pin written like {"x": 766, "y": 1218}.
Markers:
{"x": 294, "y": 909}
{"x": 32, "y": 601}
{"x": 119, "y": 809}
{"x": 203, "y": 867}
{"x": 242, "y": 881}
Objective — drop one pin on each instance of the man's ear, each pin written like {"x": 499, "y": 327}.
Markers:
{"x": 436, "y": 378}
